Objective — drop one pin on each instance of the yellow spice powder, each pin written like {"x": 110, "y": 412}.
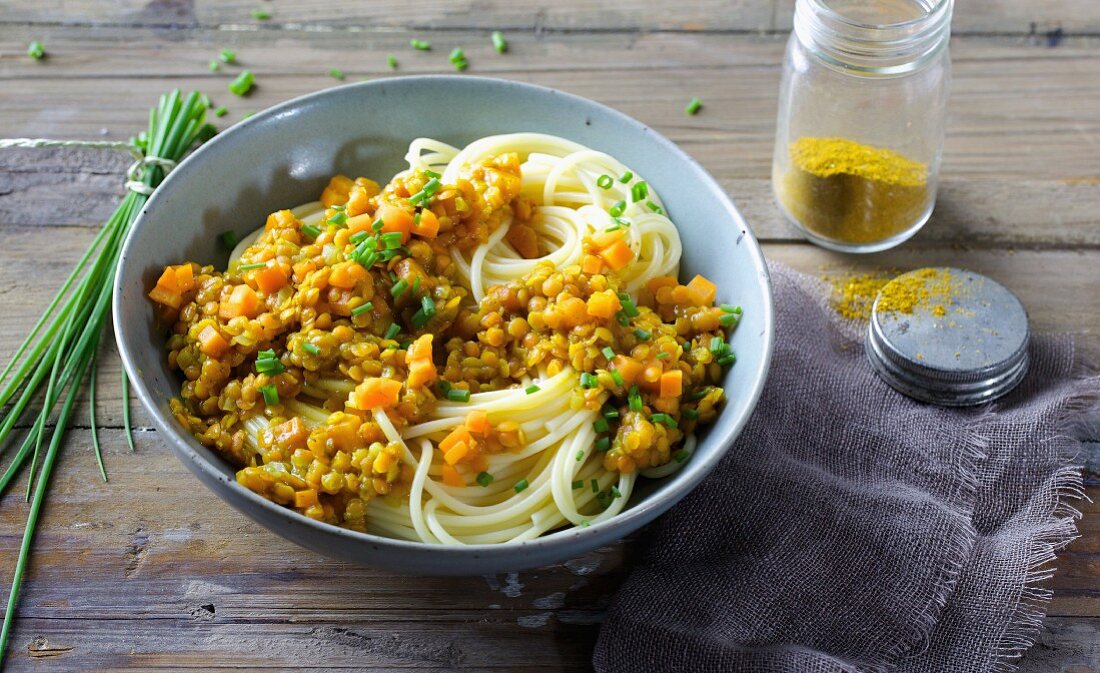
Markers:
{"x": 931, "y": 289}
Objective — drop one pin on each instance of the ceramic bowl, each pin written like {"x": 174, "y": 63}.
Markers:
{"x": 284, "y": 156}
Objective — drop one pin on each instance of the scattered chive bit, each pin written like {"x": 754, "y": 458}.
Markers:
{"x": 617, "y": 209}
{"x": 431, "y": 174}
{"x": 311, "y": 230}
{"x": 608, "y": 353}
{"x": 249, "y": 267}
{"x": 690, "y": 414}
{"x": 391, "y": 60}
{"x": 422, "y": 45}
{"x": 392, "y": 331}
{"x": 682, "y": 455}
{"x": 634, "y": 399}
{"x": 391, "y": 240}
{"x": 336, "y": 73}
{"x": 340, "y": 219}
{"x": 362, "y": 308}
{"x": 311, "y": 349}
{"x": 377, "y": 225}
{"x": 601, "y": 425}
{"x": 426, "y": 192}
{"x": 227, "y": 56}
{"x": 521, "y": 486}
{"x": 578, "y": 484}
{"x": 699, "y": 394}
{"x": 458, "y": 395}
{"x": 615, "y": 492}
{"x": 499, "y": 43}
{"x": 261, "y": 14}
{"x": 228, "y": 239}
{"x": 642, "y": 335}
{"x": 399, "y": 288}
{"x": 214, "y": 65}
{"x": 458, "y": 59}
{"x": 639, "y": 192}
{"x": 605, "y": 182}
{"x": 243, "y": 84}
{"x": 693, "y": 106}
{"x": 626, "y": 177}
{"x": 267, "y": 362}
{"x": 727, "y": 359}
{"x": 603, "y": 444}
{"x": 655, "y": 208}
{"x": 531, "y": 389}
{"x": 664, "y": 419}
{"x": 484, "y": 478}
{"x": 36, "y": 51}
{"x": 728, "y": 319}
{"x": 629, "y": 307}
{"x": 221, "y": 111}
{"x": 611, "y": 412}
{"x": 588, "y": 380}
{"x": 271, "y": 394}
{"x": 663, "y": 355}
{"x": 595, "y": 485}
{"x": 615, "y": 228}
{"x": 617, "y": 378}
{"x": 580, "y": 455}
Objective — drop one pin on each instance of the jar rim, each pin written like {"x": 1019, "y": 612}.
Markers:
{"x": 937, "y": 7}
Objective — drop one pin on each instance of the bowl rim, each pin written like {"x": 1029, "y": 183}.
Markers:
{"x": 689, "y": 476}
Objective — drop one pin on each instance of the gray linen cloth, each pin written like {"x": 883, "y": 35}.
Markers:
{"x": 850, "y": 528}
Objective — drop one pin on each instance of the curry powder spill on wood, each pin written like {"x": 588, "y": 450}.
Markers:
{"x": 853, "y": 193}
{"x": 930, "y": 289}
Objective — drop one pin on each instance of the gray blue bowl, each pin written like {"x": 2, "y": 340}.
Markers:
{"x": 284, "y": 156}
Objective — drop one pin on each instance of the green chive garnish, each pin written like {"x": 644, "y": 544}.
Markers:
{"x": 498, "y": 42}
{"x": 358, "y": 237}
{"x": 634, "y": 399}
{"x": 340, "y": 219}
{"x": 578, "y": 484}
{"x": 214, "y": 65}
{"x": 458, "y": 59}
{"x": 595, "y": 485}
{"x": 531, "y": 389}
{"x": 608, "y": 353}
{"x": 227, "y": 56}
{"x": 249, "y": 267}
{"x": 261, "y": 14}
{"x": 521, "y": 486}
{"x": 682, "y": 455}
{"x": 603, "y": 444}
{"x": 626, "y": 177}
{"x": 638, "y": 192}
{"x": 580, "y": 455}
{"x": 391, "y": 60}
{"x": 311, "y": 230}
{"x": 690, "y": 414}
{"x": 359, "y": 310}
{"x": 662, "y": 355}
{"x": 605, "y": 182}
{"x": 391, "y": 240}
{"x": 655, "y": 208}
{"x": 221, "y": 111}
{"x": 458, "y": 395}
{"x": 617, "y": 209}
{"x": 422, "y": 45}
{"x": 36, "y": 51}
{"x": 617, "y": 378}
{"x": 629, "y": 308}
{"x": 601, "y": 425}
{"x": 243, "y": 84}
{"x": 728, "y": 319}
{"x": 271, "y": 394}
{"x": 727, "y": 359}
{"x": 399, "y": 288}
{"x": 664, "y": 419}
{"x": 693, "y": 106}
{"x": 430, "y": 188}
{"x": 311, "y": 349}
{"x": 377, "y": 225}
{"x": 610, "y": 412}
{"x": 392, "y": 331}
{"x": 484, "y": 478}
{"x": 336, "y": 73}
{"x": 615, "y": 492}
{"x": 642, "y": 335}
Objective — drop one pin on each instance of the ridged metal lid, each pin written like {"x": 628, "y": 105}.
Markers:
{"x": 967, "y": 347}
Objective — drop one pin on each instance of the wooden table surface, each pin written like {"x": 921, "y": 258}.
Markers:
{"x": 152, "y": 571}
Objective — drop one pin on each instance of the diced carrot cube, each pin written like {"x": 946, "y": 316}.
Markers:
{"x": 427, "y": 226}
{"x": 421, "y": 373}
{"x": 421, "y": 349}
{"x": 672, "y": 383}
{"x": 270, "y": 279}
{"x": 459, "y": 434}
{"x": 337, "y": 191}
{"x": 396, "y": 219}
{"x": 383, "y": 462}
{"x": 168, "y": 280}
{"x": 211, "y": 342}
{"x": 702, "y": 291}
{"x": 345, "y": 275}
{"x": 360, "y": 223}
{"x": 477, "y": 421}
{"x": 456, "y": 453}
{"x": 604, "y": 304}
{"x": 306, "y": 498}
{"x": 591, "y": 264}
{"x": 242, "y": 301}
{"x": 451, "y": 477}
{"x": 185, "y": 277}
{"x": 374, "y": 393}
{"x": 524, "y": 239}
{"x": 657, "y": 283}
{"x": 358, "y": 201}
{"x": 166, "y": 297}
{"x": 605, "y": 239}
{"x": 280, "y": 219}
{"x": 630, "y": 369}
{"x": 617, "y": 255}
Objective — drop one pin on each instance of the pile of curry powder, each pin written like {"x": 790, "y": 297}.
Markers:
{"x": 929, "y": 290}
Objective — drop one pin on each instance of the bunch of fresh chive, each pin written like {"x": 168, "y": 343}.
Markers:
{"x": 53, "y": 363}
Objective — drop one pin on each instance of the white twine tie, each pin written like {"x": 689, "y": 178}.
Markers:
{"x": 133, "y": 174}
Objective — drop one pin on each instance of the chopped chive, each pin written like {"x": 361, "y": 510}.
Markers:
{"x": 430, "y": 188}
{"x": 584, "y": 524}
{"x": 693, "y": 106}
{"x": 614, "y": 228}
{"x": 271, "y": 394}
{"x": 639, "y": 192}
{"x": 392, "y": 331}
{"x": 603, "y": 444}
{"x": 578, "y": 484}
{"x": 727, "y": 359}
{"x": 311, "y": 349}
{"x": 617, "y": 209}
{"x": 36, "y": 50}
{"x": 399, "y": 288}
{"x": 270, "y": 366}
{"x": 427, "y": 304}
{"x": 458, "y": 59}
{"x": 444, "y": 386}
{"x": 249, "y": 267}
{"x": 682, "y": 455}
{"x": 617, "y": 378}
{"x": 580, "y": 455}
{"x": 311, "y": 230}
{"x": 605, "y": 182}
{"x": 729, "y": 308}
{"x": 626, "y": 177}
{"x": 718, "y": 346}
{"x": 267, "y": 355}
{"x": 391, "y": 240}
{"x": 622, "y": 222}
{"x": 588, "y": 380}
{"x": 422, "y": 45}
{"x": 227, "y": 56}
{"x": 521, "y": 486}
{"x": 608, "y": 353}
{"x": 416, "y": 285}
{"x": 728, "y": 319}
{"x": 662, "y": 355}
{"x": 243, "y": 84}
{"x": 498, "y": 42}
{"x": 261, "y": 14}
{"x": 228, "y": 239}
{"x": 622, "y": 319}
{"x": 336, "y": 73}
{"x": 610, "y": 412}
{"x": 391, "y": 61}
{"x": 615, "y": 492}
{"x": 601, "y": 425}
{"x": 634, "y": 399}
{"x": 655, "y": 208}
{"x": 340, "y": 219}
{"x": 690, "y": 414}
{"x": 664, "y": 419}
{"x": 431, "y": 173}
{"x": 221, "y": 111}
{"x": 629, "y": 308}
{"x": 458, "y": 395}
{"x": 531, "y": 389}
{"x": 595, "y": 485}
{"x": 358, "y": 237}
{"x": 484, "y": 478}
{"x": 698, "y": 394}
{"x": 377, "y": 225}
{"x": 642, "y": 335}
{"x": 214, "y": 65}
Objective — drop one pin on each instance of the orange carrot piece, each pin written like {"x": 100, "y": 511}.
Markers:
{"x": 477, "y": 422}
{"x": 243, "y": 301}
{"x": 421, "y": 373}
{"x": 358, "y": 202}
{"x": 657, "y": 283}
{"x": 617, "y": 255}
{"x": 606, "y": 239}
{"x": 427, "y": 226}
{"x": 421, "y": 349}
{"x": 306, "y": 498}
{"x": 211, "y": 342}
{"x": 185, "y": 277}
{"x": 165, "y": 297}
{"x": 456, "y": 453}
{"x": 345, "y": 275}
{"x": 375, "y": 393}
{"x": 459, "y": 434}
{"x": 269, "y": 279}
{"x": 360, "y": 223}
{"x": 591, "y": 264}
{"x": 524, "y": 239}
{"x": 672, "y": 383}
{"x": 603, "y": 304}
{"x": 451, "y": 477}
{"x": 396, "y": 219}
{"x": 701, "y": 291}
{"x": 280, "y": 219}
{"x": 630, "y": 369}
{"x": 337, "y": 191}
{"x": 168, "y": 280}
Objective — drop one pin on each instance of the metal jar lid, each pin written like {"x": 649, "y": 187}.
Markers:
{"x": 967, "y": 347}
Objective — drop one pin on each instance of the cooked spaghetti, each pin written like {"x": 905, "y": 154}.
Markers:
{"x": 492, "y": 346}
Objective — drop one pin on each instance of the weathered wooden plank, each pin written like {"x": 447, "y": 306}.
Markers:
{"x": 996, "y": 16}
{"x": 994, "y": 190}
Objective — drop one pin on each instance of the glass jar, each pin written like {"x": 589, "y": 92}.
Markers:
{"x": 861, "y": 119}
